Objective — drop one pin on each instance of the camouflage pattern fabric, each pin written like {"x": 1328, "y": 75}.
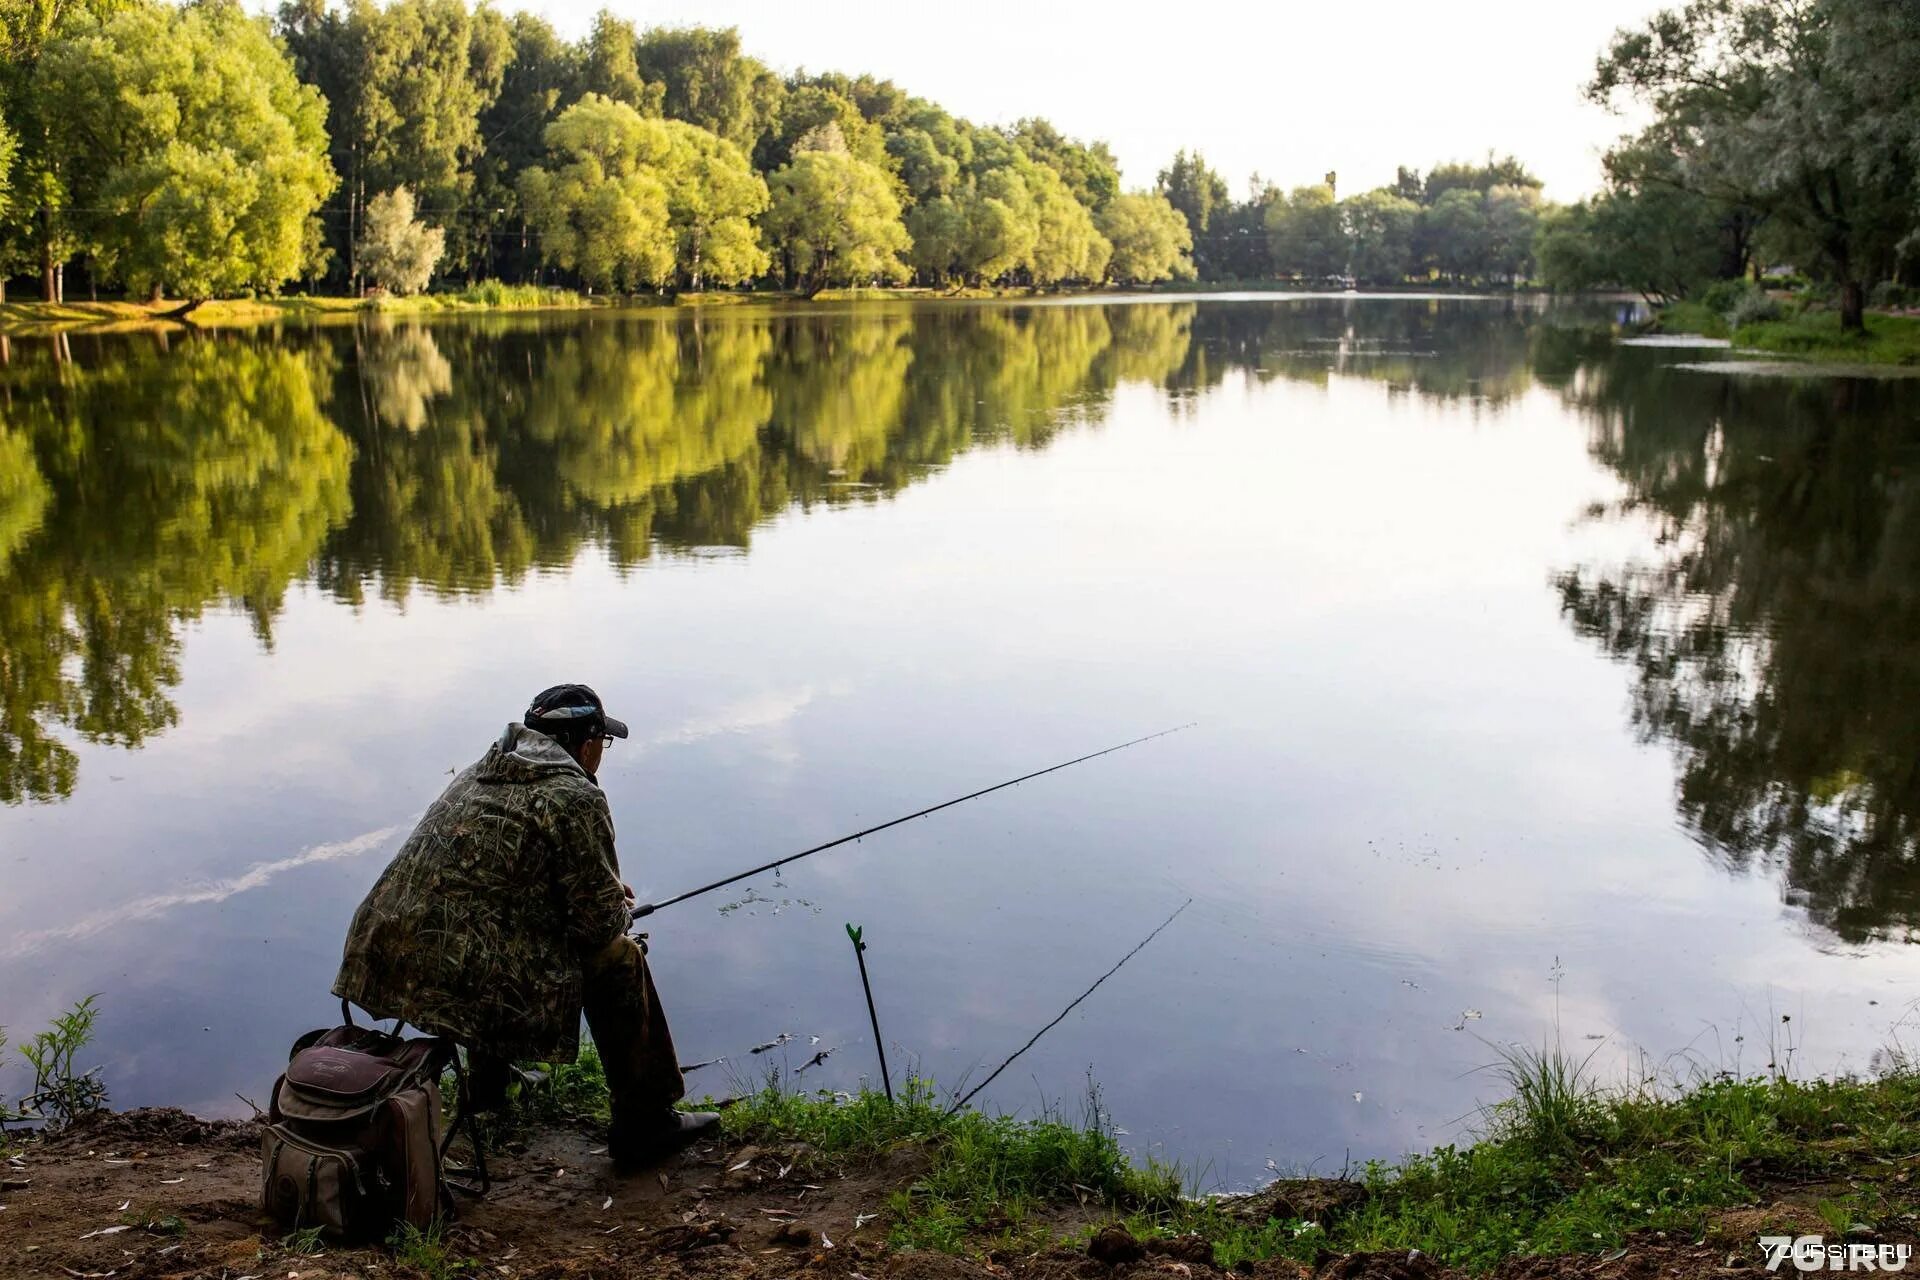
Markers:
{"x": 482, "y": 926}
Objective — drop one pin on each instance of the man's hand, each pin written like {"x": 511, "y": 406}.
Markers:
{"x": 628, "y": 890}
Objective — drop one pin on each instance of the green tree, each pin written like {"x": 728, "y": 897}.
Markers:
{"x": 610, "y": 67}
{"x": 837, "y": 221}
{"x": 1759, "y": 104}
{"x": 1453, "y": 234}
{"x": 405, "y": 85}
{"x": 1067, "y": 246}
{"x": 1379, "y": 228}
{"x": 712, "y": 193}
{"x": 1149, "y": 237}
{"x": 602, "y": 208}
{"x": 1305, "y": 236}
{"x": 1194, "y": 189}
{"x": 42, "y": 226}
{"x": 1089, "y": 169}
{"x": 1511, "y": 214}
{"x": 541, "y": 79}
{"x": 815, "y": 110}
{"x": 1661, "y": 241}
{"x": 397, "y": 252}
{"x": 208, "y": 156}
{"x": 708, "y": 82}
{"x": 1464, "y": 176}
{"x": 941, "y": 233}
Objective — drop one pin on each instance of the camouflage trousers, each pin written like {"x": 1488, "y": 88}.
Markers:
{"x": 629, "y": 1032}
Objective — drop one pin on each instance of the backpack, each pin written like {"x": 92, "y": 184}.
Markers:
{"x": 354, "y": 1142}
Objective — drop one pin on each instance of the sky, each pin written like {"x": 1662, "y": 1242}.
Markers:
{"x": 1287, "y": 89}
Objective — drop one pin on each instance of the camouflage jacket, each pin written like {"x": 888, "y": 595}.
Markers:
{"x": 480, "y": 927}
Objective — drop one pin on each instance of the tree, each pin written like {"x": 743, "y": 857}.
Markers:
{"x": 1661, "y": 241}
{"x": 542, "y": 78}
{"x": 1067, "y": 246}
{"x": 610, "y": 68}
{"x": 941, "y": 233}
{"x": 836, "y": 220}
{"x": 42, "y": 227}
{"x": 1456, "y": 175}
{"x": 601, "y": 209}
{"x": 1379, "y": 230}
{"x": 1192, "y": 188}
{"x": 405, "y": 85}
{"x": 396, "y": 252}
{"x": 1453, "y": 234}
{"x": 1305, "y": 235}
{"x": 1759, "y": 104}
{"x": 208, "y": 157}
{"x": 712, "y": 192}
{"x": 814, "y": 110}
{"x": 708, "y": 82}
{"x": 1510, "y": 214}
{"x": 1089, "y": 169}
{"x": 1149, "y": 236}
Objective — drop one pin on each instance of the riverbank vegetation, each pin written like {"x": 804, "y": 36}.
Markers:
{"x": 1562, "y": 1165}
{"x": 194, "y": 151}
{"x": 1780, "y": 133}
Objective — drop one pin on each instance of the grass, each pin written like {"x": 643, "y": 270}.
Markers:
{"x": 426, "y": 1253}
{"x": 1816, "y": 335}
{"x": 986, "y": 1176}
{"x": 33, "y": 318}
{"x": 1691, "y": 317}
{"x": 1568, "y": 1167}
{"x": 1812, "y": 335}
{"x": 1560, "y": 1165}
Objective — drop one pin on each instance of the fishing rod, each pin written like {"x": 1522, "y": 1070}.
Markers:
{"x": 648, "y": 908}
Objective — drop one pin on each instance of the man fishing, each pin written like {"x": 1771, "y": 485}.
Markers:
{"x": 503, "y": 916}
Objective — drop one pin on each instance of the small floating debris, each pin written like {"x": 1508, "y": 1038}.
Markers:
{"x": 814, "y": 1061}
{"x": 1799, "y": 369}
{"x": 1466, "y": 1016}
{"x": 1677, "y": 341}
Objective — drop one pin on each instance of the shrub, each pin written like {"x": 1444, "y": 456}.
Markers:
{"x": 1721, "y": 296}
{"x": 59, "y": 1093}
{"x": 1753, "y": 307}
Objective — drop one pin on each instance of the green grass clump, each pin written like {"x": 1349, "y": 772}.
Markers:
{"x": 1691, "y": 317}
{"x": 428, "y": 1254}
{"x": 1816, "y": 335}
{"x": 986, "y": 1174}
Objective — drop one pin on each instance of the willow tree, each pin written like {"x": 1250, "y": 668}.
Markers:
{"x": 208, "y": 157}
{"x": 837, "y": 221}
{"x": 601, "y": 210}
{"x": 712, "y": 196}
{"x": 1149, "y": 236}
{"x": 631, "y": 201}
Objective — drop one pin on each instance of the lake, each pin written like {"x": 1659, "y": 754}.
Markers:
{"x": 1543, "y": 690}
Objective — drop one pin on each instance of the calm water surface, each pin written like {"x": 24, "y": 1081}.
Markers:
{"x": 1543, "y": 688}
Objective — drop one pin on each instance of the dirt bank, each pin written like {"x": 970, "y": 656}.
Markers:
{"x": 157, "y": 1193}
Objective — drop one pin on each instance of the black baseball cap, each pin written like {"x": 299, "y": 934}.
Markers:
{"x": 565, "y": 706}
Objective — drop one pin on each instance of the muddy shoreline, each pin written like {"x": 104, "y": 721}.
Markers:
{"x": 157, "y": 1193}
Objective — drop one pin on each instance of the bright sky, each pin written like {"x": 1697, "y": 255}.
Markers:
{"x": 1287, "y": 88}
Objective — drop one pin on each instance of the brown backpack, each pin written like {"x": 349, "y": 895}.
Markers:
{"x": 354, "y": 1143}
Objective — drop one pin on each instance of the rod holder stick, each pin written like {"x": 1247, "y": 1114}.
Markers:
{"x": 860, "y": 954}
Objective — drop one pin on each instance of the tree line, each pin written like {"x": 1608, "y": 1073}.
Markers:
{"x": 195, "y": 150}
{"x": 1782, "y": 131}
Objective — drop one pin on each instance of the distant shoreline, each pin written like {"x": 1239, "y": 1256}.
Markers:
{"x": 37, "y": 319}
